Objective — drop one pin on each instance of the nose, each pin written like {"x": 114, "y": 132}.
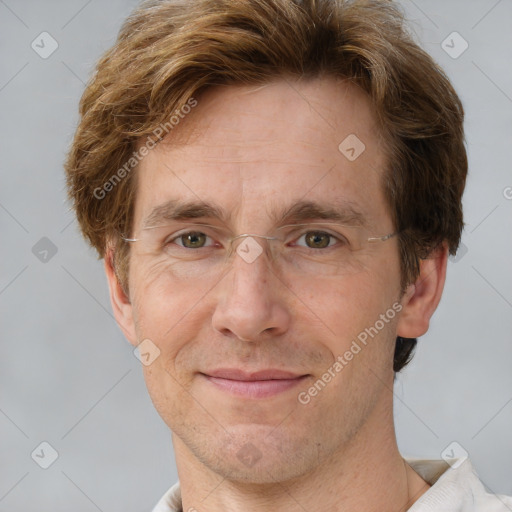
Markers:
{"x": 252, "y": 300}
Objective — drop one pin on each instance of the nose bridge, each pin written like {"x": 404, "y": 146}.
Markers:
{"x": 249, "y": 248}
{"x": 245, "y": 235}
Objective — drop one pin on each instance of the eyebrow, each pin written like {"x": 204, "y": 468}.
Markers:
{"x": 342, "y": 211}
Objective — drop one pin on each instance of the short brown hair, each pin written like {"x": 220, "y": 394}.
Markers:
{"x": 169, "y": 51}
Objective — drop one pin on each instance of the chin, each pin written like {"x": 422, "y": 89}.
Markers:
{"x": 254, "y": 454}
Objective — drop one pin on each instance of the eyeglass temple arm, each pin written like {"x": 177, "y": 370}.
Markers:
{"x": 382, "y": 238}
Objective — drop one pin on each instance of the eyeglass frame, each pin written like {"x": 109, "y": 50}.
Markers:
{"x": 373, "y": 239}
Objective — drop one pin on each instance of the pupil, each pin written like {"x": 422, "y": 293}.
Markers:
{"x": 315, "y": 239}
{"x": 194, "y": 239}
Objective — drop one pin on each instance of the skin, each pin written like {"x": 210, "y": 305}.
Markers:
{"x": 247, "y": 149}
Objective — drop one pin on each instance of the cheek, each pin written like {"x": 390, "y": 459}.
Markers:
{"x": 354, "y": 330}
{"x": 176, "y": 315}
{"x": 348, "y": 305}
{"x": 167, "y": 314}
{"x": 161, "y": 307}
{"x": 156, "y": 291}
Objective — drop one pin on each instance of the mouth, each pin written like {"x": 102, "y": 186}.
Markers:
{"x": 259, "y": 384}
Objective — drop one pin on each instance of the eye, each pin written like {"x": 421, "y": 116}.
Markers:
{"x": 190, "y": 240}
{"x": 320, "y": 239}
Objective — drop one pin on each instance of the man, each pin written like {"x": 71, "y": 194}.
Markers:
{"x": 275, "y": 186}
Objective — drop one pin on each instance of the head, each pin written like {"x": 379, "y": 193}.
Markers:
{"x": 245, "y": 105}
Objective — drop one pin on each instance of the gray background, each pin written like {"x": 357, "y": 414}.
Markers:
{"x": 68, "y": 377}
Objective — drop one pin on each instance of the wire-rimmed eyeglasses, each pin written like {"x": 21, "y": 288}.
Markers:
{"x": 191, "y": 250}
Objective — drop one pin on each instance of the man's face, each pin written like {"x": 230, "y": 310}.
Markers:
{"x": 252, "y": 151}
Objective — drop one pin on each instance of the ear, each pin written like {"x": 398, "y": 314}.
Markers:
{"x": 121, "y": 306}
{"x": 422, "y": 298}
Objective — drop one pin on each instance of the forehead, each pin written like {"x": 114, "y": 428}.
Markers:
{"x": 250, "y": 148}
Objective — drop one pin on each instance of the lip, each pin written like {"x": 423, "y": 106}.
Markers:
{"x": 259, "y": 384}
{"x": 268, "y": 374}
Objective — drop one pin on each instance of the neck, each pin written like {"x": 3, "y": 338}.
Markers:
{"x": 365, "y": 474}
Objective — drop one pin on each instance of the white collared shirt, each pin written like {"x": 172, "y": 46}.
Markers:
{"x": 455, "y": 488}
